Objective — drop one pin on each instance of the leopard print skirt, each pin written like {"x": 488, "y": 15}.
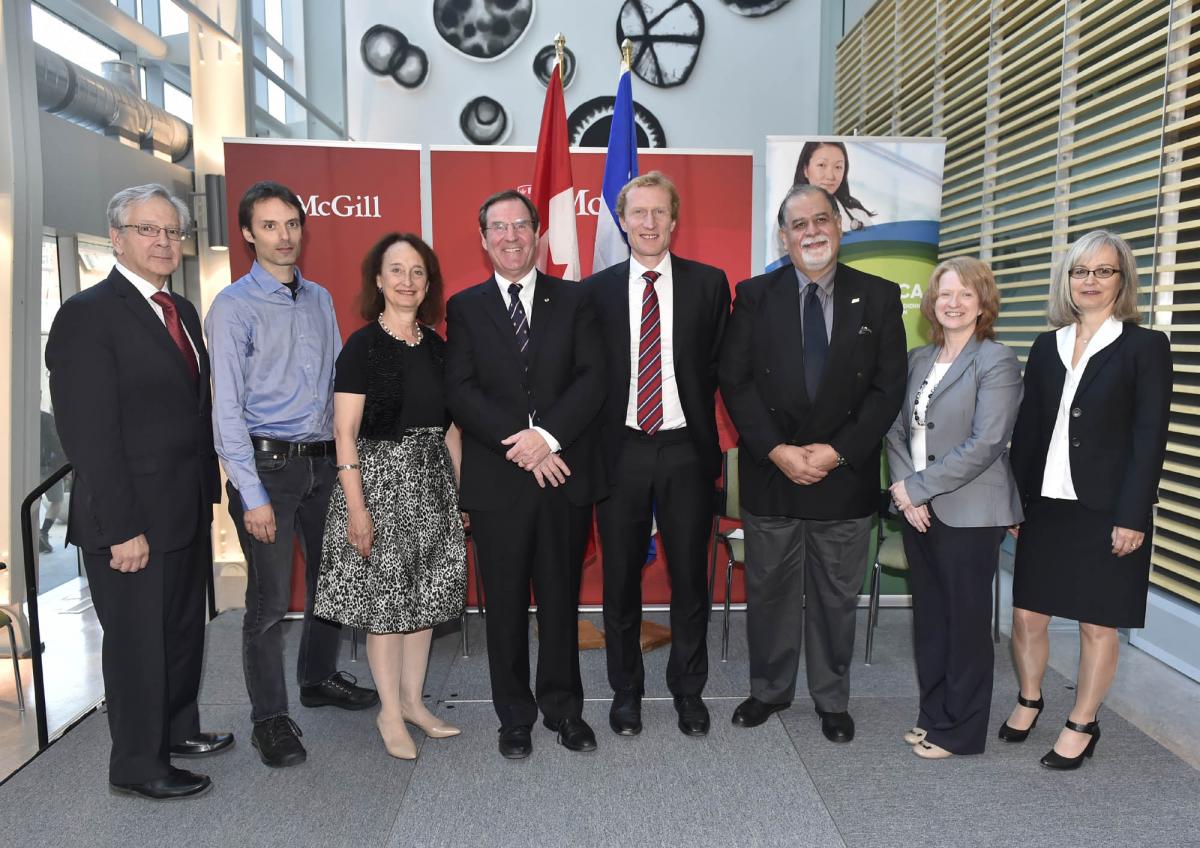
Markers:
{"x": 416, "y": 574}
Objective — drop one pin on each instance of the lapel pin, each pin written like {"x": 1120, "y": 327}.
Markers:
{"x": 855, "y": 300}
{"x": 545, "y": 300}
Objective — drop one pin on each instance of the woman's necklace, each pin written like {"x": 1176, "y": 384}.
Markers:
{"x": 918, "y": 420}
{"x": 416, "y": 332}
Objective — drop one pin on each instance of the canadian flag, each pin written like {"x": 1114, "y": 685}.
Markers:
{"x": 553, "y": 188}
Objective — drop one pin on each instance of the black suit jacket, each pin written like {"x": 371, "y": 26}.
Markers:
{"x": 1118, "y": 426}
{"x": 132, "y": 422}
{"x": 700, "y": 310}
{"x": 762, "y": 382}
{"x": 486, "y": 388}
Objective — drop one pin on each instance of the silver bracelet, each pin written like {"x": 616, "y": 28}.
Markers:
{"x": 349, "y": 466}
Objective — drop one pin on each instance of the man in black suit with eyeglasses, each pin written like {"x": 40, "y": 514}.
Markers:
{"x": 129, "y": 380}
{"x": 524, "y": 381}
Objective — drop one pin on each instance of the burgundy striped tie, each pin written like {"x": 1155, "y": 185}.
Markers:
{"x": 649, "y": 381}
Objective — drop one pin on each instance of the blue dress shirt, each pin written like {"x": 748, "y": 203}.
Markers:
{"x": 272, "y": 368}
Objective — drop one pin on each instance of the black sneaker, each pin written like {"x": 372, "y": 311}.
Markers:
{"x": 44, "y": 545}
{"x": 339, "y": 690}
{"x": 277, "y": 741}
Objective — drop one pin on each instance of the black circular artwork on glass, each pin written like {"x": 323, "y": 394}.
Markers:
{"x": 588, "y": 125}
{"x": 543, "y": 65}
{"x": 665, "y": 45}
{"x": 754, "y": 8}
{"x": 484, "y": 121}
{"x": 383, "y": 49}
{"x": 482, "y": 29}
{"x": 414, "y": 70}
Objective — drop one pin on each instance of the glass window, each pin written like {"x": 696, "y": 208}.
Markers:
{"x": 95, "y": 261}
{"x": 53, "y": 33}
{"x": 274, "y": 19}
{"x": 171, "y": 19}
{"x": 178, "y": 102}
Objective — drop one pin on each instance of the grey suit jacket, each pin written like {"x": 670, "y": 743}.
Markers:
{"x": 967, "y": 481}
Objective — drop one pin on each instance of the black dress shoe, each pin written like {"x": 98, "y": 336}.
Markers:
{"x": 753, "y": 712}
{"x": 625, "y": 715}
{"x": 277, "y": 741}
{"x": 202, "y": 745}
{"x": 515, "y": 742}
{"x": 693, "y": 715}
{"x": 339, "y": 690}
{"x": 573, "y": 733}
{"x": 176, "y": 785}
{"x": 1056, "y": 761}
{"x": 837, "y": 727}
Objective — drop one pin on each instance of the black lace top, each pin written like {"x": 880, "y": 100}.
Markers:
{"x": 402, "y": 384}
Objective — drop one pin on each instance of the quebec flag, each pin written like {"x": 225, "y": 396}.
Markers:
{"x": 620, "y": 166}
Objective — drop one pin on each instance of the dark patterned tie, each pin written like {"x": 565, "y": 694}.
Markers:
{"x": 816, "y": 342}
{"x": 171, "y": 319}
{"x": 649, "y": 381}
{"x": 520, "y": 322}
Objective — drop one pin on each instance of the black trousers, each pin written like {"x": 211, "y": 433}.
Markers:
{"x": 153, "y": 649}
{"x": 299, "y": 488}
{"x": 950, "y": 572}
{"x": 660, "y": 472}
{"x": 540, "y": 540}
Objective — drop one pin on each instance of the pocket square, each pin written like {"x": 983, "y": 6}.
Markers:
{"x": 864, "y": 330}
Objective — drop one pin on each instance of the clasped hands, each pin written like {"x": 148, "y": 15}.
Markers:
{"x": 917, "y": 516}
{"x": 529, "y": 450}
{"x": 804, "y": 464}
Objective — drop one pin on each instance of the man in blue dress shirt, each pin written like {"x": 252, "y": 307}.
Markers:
{"x": 273, "y": 339}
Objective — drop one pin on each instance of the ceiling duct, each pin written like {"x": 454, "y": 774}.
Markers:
{"x": 78, "y": 95}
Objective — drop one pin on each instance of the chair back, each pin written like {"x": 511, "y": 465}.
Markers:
{"x": 733, "y": 491}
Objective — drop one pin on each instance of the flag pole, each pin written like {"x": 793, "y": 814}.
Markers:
{"x": 560, "y": 44}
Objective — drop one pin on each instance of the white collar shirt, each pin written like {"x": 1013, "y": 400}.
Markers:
{"x": 147, "y": 290}
{"x": 1057, "y": 482}
{"x": 664, "y": 287}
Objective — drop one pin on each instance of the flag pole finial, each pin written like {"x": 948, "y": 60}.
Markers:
{"x": 560, "y": 43}
{"x": 627, "y": 53}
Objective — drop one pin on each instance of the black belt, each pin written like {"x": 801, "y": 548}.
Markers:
{"x": 293, "y": 448}
{"x": 678, "y": 434}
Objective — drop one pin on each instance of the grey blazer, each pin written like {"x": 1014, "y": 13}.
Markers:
{"x": 967, "y": 481}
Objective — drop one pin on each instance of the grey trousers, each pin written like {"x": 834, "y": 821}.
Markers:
{"x": 787, "y": 560}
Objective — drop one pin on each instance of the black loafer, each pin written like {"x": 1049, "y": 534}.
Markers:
{"x": 693, "y": 715}
{"x": 625, "y": 715}
{"x": 277, "y": 741}
{"x": 515, "y": 742}
{"x": 203, "y": 745}
{"x": 177, "y": 785}
{"x": 573, "y": 734}
{"x": 339, "y": 690}
{"x": 753, "y": 712}
{"x": 837, "y": 727}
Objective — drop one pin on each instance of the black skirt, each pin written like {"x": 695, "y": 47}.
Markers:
{"x": 1065, "y": 566}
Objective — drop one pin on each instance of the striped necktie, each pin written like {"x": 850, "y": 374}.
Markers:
{"x": 649, "y": 381}
{"x": 520, "y": 322}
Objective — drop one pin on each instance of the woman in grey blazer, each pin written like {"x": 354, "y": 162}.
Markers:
{"x": 951, "y": 479}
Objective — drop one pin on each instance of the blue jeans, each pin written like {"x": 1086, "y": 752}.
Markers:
{"x": 299, "y": 488}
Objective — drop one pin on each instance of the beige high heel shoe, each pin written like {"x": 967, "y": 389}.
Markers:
{"x": 914, "y": 736}
{"x": 397, "y": 741}
{"x": 436, "y": 729}
{"x": 929, "y": 751}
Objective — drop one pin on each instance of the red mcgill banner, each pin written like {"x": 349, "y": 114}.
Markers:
{"x": 716, "y": 208}
{"x": 352, "y": 194}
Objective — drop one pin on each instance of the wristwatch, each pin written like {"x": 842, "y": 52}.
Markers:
{"x": 841, "y": 461}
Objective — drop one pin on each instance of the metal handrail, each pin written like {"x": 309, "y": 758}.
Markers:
{"x": 31, "y": 591}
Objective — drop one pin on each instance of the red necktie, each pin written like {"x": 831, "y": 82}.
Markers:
{"x": 649, "y": 381}
{"x": 171, "y": 319}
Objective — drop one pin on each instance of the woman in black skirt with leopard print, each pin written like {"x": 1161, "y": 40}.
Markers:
{"x": 394, "y": 559}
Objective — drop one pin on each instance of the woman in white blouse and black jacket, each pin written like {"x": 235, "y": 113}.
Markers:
{"x": 952, "y": 480}
{"x": 1087, "y": 453}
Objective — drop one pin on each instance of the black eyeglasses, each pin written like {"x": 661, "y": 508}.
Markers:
{"x": 152, "y": 231}
{"x": 1102, "y": 273}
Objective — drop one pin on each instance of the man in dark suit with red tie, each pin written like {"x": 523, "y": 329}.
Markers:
{"x": 813, "y": 373}
{"x": 129, "y": 381}
{"x": 663, "y": 317}
{"x": 524, "y": 381}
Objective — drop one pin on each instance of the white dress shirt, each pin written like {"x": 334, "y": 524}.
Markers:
{"x": 916, "y": 435}
{"x": 147, "y": 290}
{"x": 1057, "y": 481}
{"x": 664, "y": 287}
{"x": 526, "y": 297}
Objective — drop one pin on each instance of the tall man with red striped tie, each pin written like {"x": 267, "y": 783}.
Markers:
{"x": 663, "y": 317}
